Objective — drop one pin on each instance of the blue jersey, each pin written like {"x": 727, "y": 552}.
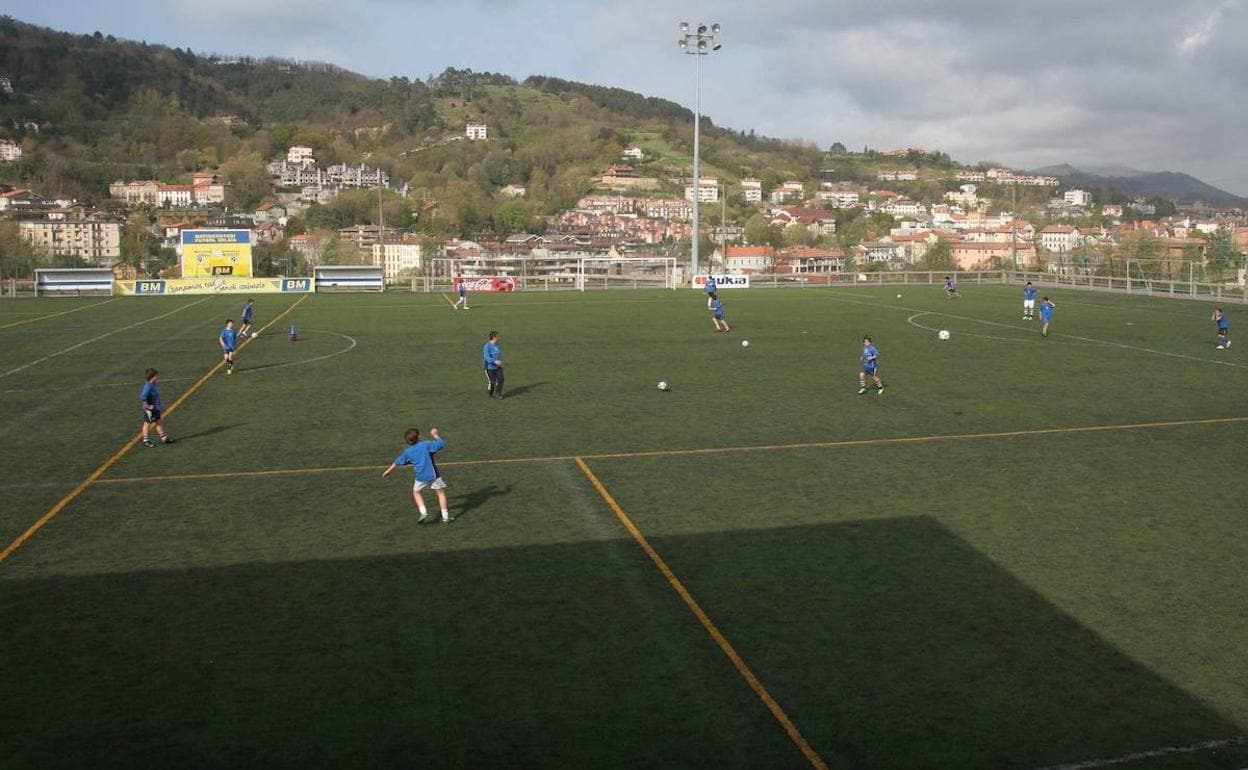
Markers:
{"x": 1223, "y": 323}
{"x": 150, "y": 395}
{"x": 229, "y": 337}
{"x": 870, "y": 357}
{"x": 420, "y": 457}
{"x": 1029, "y": 292}
{"x": 718, "y": 307}
{"x": 491, "y": 353}
{"x": 710, "y": 284}
{"x": 247, "y": 311}
{"x": 948, "y": 285}
{"x": 1046, "y": 311}
{"x": 463, "y": 289}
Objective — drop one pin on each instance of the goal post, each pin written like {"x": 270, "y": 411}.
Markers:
{"x": 625, "y": 272}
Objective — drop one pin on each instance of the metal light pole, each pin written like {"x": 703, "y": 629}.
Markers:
{"x": 698, "y": 43}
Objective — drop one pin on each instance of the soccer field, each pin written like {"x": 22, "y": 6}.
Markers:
{"x": 1026, "y": 553}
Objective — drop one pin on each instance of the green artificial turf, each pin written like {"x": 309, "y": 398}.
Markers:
{"x": 1053, "y": 572}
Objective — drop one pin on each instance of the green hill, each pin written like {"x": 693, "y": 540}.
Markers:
{"x": 110, "y": 109}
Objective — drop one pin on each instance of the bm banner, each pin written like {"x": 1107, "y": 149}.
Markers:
{"x": 164, "y": 287}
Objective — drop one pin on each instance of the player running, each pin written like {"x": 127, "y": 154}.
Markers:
{"x": 870, "y": 366}
{"x": 462, "y": 289}
{"x": 229, "y": 342}
{"x": 710, "y": 291}
{"x": 717, "y": 308}
{"x": 149, "y": 397}
{"x": 248, "y": 311}
{"x": 1046, "y": 315}
{"x": 951, "y": 289}
{"x": 492, "y": 354}
{"x": 1224, "y": 328}
{"x": 1029, "y": 302}
{"x": 419, "y": 454}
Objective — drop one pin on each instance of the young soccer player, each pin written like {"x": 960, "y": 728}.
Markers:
{"x": 951, "y": 290}
{"x": 710, "y": 291}
{"x": 1046, "y": 315}
{"x": 149, "y": 397}
{"x": 248, "y": 311}
{"x": 870, "y": 366}
{"x": 717, "y": 308}
{"x": 462, "y": 289}
{"x": 1224, "y": 328}
{"x": 1029, "y": 302}
{"x": 229, "y": 341}
{"x": 419, "y": 454}
{"x": 492, "y": 354}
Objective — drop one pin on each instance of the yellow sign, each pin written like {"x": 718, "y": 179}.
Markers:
{"x": 207, "y": 253}
{"x": 164, "y": 287}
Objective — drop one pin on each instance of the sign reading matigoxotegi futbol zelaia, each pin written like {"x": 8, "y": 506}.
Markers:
{"x": 208, "y": 253}
{"x": 164, "y": 287}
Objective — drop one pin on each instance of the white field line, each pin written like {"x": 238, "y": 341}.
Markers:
{"x": 911, "y": 320}
{"x": 351, "y": 343}
{"x": 1107, "y": 343}
{"x": 72, "y": 348}
{"x": 1162, "y": 751}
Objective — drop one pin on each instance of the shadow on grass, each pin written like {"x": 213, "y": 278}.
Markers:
{"x": 890, "y": 644}
{"x": 209, "y": 431}
{"x": 466, "y": 504}
{"x": 520, "y": 391}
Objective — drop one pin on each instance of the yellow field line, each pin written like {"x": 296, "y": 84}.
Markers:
{"x": 706, "y": 451}
{"x": 720, "y": 640}
{"x": 120, "y": 453}
{"x": 448, "y": 300}
{"x": 63, "y": 312}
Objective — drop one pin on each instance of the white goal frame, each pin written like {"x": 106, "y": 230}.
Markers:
{"x": 583, "y": 277}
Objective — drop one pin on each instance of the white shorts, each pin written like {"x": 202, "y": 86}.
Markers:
{"x": 437, "y": 483}
{"x": 1028, "y": 304}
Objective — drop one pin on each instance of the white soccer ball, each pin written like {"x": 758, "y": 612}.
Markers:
{"x": 898, "y": 296}
{"x": 255, "y": 334}
{"x": 662, "y": 386}
{"x": 745, "y": 343}
{"x": 943, "y": 334}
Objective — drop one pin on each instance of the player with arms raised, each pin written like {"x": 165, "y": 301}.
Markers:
{"x": 419, "y": 454}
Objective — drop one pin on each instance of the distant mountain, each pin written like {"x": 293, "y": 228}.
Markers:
{"x": 1180, "y": 188}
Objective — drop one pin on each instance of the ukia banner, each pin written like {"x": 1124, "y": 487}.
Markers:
{"x": 164, "y": 287}
{"x": 208, "y": 253}
{"x": 501, "y": 283}
{"x": 722, "y": 281}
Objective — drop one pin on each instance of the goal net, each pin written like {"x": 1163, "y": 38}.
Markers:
{"x": 625, "y": 273}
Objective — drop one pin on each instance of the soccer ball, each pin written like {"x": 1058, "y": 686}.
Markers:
{"x": 255, "y": 334}
{"x": 662, "y": 386}
{"x": 745, "y": 343}
{"x": 943, "y": 334}
{"x": 898, "y": 296}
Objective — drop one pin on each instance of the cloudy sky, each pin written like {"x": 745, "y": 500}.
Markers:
{"x": 1149, "y": 84}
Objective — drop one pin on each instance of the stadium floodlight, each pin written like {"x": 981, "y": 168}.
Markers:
{"x": 704, "y": 41}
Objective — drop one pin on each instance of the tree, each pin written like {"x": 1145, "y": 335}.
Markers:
{"x": 757, "y": 230}
{"x": 796, "y": 234}
{"x": 939, "y": 256}
{"x": 248, "y": 181}
{"x": 1221, "y": 253}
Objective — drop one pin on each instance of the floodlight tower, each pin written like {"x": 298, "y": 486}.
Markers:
{"x": 699, "y": 42}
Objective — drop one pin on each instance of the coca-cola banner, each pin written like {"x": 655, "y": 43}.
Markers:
{"x": 493, "y": 283}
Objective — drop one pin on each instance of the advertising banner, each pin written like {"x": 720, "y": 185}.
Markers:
{"x": 502, "y": 283}
{"x": 165, "y": 287}
{"x": 722, "y": 281}
{"x": 207, "y": 253}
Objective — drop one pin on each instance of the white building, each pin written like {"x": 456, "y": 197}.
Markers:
{"x": 1078, "y": 197}
{"x": 1059, "y": 239}
{"x": 839, "y": 199}
{"x": 752, "y": 189}
{"x": 708, "y": 190}
{"x": 10, "y": 151}
{"x": 397, "y": 260}
{"x": 635, "y": 153}
{"x": 300, "y": 155}
{"x": 904, "y": 208}
{"x": 790, "y": 191}
{"x": 96, "y": 241}
{"x": 514, "y": 191}
{"x": 175, "y": 195}
{"x": 475, "y": 131}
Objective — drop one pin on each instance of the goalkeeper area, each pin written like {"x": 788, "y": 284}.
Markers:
{"x": 1028, "y": 553}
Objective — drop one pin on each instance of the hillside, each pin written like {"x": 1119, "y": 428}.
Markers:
{"x": 1183, "y": 189}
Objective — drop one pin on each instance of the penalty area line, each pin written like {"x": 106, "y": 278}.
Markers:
{"x": 743, "y": 668}
{"x": 133, "y": 441}
{"x": 938, "y": 437}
